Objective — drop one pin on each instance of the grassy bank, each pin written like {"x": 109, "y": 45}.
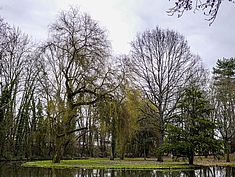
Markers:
{"x": 111, "y": 164}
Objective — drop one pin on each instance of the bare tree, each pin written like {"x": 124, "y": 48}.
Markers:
{"x": 17, "y": 79}
{"x": 162, "y": 64}
{"x": 75, "y": 58}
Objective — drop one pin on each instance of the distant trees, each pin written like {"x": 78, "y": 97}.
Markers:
{"x": 162, "y": 65}
{"x": 209, "y": 7}
{"x": 17, "y": 86}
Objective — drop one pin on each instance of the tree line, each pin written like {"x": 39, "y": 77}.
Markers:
{"x": 69, "y": 97}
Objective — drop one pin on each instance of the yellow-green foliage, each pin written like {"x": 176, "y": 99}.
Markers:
{"x": 133, "y": 106}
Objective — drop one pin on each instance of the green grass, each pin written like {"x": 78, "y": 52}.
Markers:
{"x": 110, "y": 164}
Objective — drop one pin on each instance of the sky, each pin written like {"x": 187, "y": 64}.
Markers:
{"x": 123, "y": 19}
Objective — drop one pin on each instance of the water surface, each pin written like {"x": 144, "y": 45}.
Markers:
{"x": 15, "y": 170}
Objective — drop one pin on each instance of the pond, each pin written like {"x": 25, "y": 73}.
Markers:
{"x": 15, "y": 170}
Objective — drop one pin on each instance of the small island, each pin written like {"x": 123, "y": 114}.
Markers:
{"x": 130, "y": 163}
{"x": 139, "y": 164}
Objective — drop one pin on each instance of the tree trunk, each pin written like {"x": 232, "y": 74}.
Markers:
{"x": 227, "y": 157}
{"x": 145, "y": 149}
{"x": 159, "y": 154}
{"x": 113, "y": 147}
{"x": 58, "y": 150}
{"x": 122, "y": 152}
{"x": 191, "y": 158}
{"x": 83, "y": 145}
{"x": 122, "y": 155}
{"x": 227, "y": 150}
{"x": 113, "y": 141}
{"x": 57, "y": 156}
{"x": 90, "y": 139}
{"x": 90, "y": 144}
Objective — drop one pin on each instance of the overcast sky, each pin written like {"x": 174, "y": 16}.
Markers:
{"x": 124, "y": 18}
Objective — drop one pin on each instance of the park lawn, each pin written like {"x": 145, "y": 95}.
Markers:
{"x": 132, "y": 163}
{"x": 210, "y": 161}
{"x": 102, "y": 163}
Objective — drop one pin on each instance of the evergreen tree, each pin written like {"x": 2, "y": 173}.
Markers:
{"x": 191, "y": 132}
{"x": 224, "y": 100}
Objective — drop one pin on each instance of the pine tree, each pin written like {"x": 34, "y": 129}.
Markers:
{"x": 191, "y": 131}
{"x": 224, "y": 100}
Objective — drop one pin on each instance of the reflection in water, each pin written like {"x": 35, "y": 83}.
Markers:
{"x": 15, "y": 170}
